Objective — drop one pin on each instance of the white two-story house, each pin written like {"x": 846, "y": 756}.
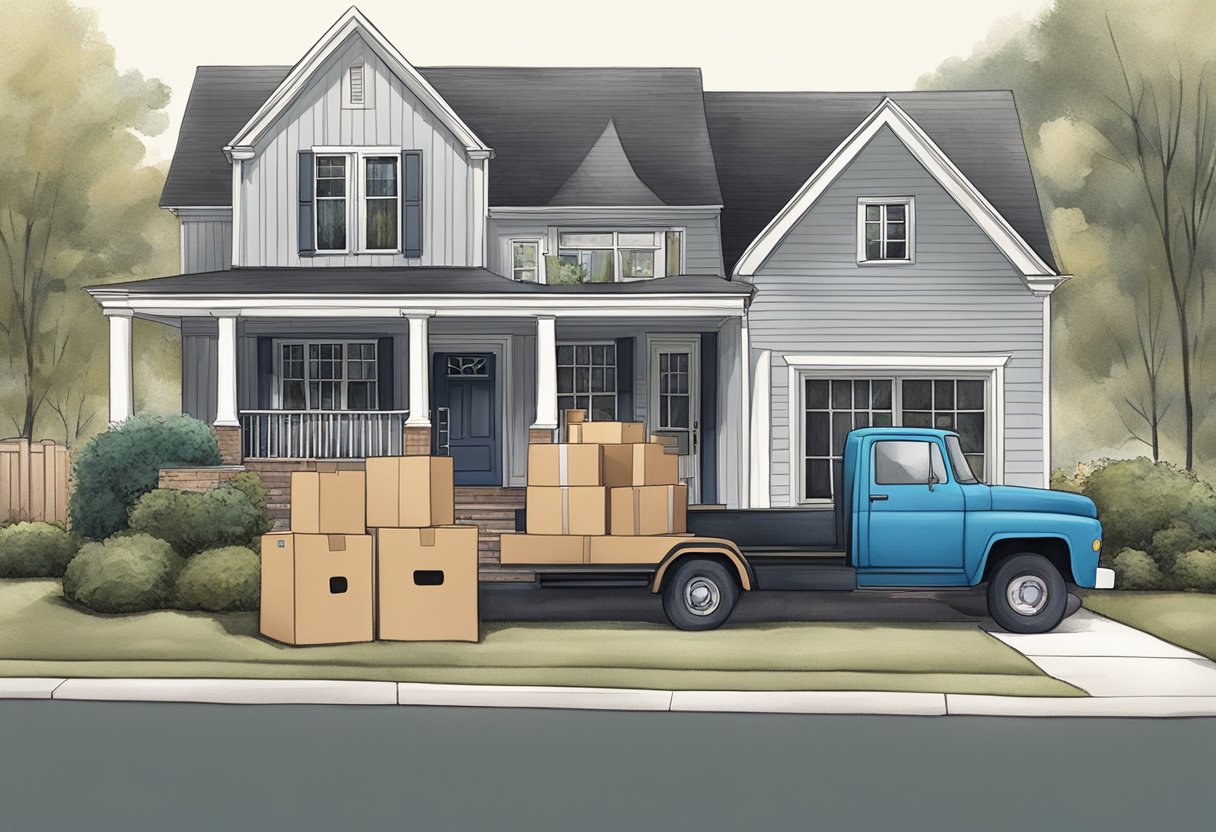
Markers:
{"x": 378, "y": 258}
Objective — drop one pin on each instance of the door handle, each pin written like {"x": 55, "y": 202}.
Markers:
{"x": 874, "y": 498}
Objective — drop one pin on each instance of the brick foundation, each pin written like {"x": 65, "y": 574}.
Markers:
{"x": 417, "y": 440}
{"x": 228, "y": 437}
{"x": 540, "y": 436}
{"x": 197, "y": 478}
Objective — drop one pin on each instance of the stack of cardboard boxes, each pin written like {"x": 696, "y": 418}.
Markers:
{"x": 587, "y": 496}
{"x": 371, "y": 554}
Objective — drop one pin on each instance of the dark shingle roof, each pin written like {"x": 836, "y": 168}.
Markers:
{"x": 768, "y": 144}
{"x": 541, "y": 123}
{"x": 412, "y": 280}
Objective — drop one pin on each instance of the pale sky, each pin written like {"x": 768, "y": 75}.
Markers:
{"x": 740, "y": 45}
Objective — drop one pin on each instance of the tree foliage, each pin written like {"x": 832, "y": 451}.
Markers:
{"x": 1118, "y": 106}
{"x": 77, "y": 207}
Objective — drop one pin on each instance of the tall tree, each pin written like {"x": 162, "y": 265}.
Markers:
{"x": 77, "y": 207}
{"x": 1116, "y": 101}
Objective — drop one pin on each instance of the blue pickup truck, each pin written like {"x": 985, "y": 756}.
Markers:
{"x": 911, "y": 514}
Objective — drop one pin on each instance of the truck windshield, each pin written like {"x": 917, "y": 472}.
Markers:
{"x": 962, "y": 470}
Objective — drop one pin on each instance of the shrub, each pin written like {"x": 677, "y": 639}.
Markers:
{"x": 35, "y": 550}
{"x": 1196, "y": 570}
{"x": 194, "y": 521}
{"x": 1137, "y": 498}
{"x": 220, "y": 580}
{"x": 1135, "y": 570}
{"x": 1172, "y": 541}
{"x": 251, "y": 485}
{"x": 132, "y": 573}
{"x": 116, "y": 467}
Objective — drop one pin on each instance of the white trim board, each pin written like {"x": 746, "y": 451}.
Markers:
{"x": 351, "y": 21}
{"x": 991, "y": 368}
{"x": 890, "y": 115}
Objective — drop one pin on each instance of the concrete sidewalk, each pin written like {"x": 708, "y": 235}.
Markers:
{"x": 1107, "y": 659}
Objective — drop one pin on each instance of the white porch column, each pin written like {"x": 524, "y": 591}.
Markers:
{"x": 420, "y": 374}
{"x": 748, "y": 485}
{"x": 225, "y": 392}
{"x": 122, "y": 399}
{"x": 546, "y": 373}
{"x": 761, "y": 426}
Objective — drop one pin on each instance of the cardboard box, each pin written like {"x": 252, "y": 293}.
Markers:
{"x": 651, "y": 509}
{"x": 633, "y": 549}
{"x": 544, "y": 548}
{"x": 610, "y": 433}
{"x": 671, "y": 444}
{"x": 410, "y": 491}
{"x": 426, "y": 584}
{"x": 574, "y": 434}
{"x": 317, "y": 588}
{"x": 567, "y": 510}
{"x": 564, "y": 464}
{"x": 328, "y": 501}
{"x": 639, "y": 464}
{"x": 575, "y": 417}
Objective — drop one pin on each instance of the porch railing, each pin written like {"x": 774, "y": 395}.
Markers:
{"x": 322, "y": 434}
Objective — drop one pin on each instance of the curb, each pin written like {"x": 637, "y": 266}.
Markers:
{"x": 327, "y": 692}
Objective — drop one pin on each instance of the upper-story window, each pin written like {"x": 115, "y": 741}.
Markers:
{"x": 611, "y": 256}
{"x": 525, "y": 260}
{"x": 380, "y": 203}
{"x": 331, "y": 203}
{"x": 884, "y": 230}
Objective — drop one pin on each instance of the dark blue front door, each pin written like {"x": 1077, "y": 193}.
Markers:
{"x": 466, "y": 416}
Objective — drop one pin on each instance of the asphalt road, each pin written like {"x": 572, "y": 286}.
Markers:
{"x": 138, "y": 766}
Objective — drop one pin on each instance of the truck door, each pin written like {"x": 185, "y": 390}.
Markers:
{"x": 915, "y": 508}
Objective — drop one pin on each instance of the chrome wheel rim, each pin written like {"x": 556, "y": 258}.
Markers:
{"x": 1027, "y": 594}
{"x": 701, "y": 596}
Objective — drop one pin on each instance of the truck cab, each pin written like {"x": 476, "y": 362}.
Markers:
{"x": 912, "y": 514}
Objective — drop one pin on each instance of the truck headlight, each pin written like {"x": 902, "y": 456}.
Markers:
{"x": 1097, "y": 544}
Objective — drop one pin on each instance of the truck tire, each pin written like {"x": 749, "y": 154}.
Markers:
{"x": 1027, "y": 594}
{"x": 699, "y": 595}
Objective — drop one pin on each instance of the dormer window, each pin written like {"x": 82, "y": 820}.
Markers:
{"x": 884, "y": 230}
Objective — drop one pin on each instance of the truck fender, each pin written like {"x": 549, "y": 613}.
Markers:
{"x": 982, "y": 566}
{"x": 703, "y": 546}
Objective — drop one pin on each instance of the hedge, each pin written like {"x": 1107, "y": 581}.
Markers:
{"x": 194, "y": 521}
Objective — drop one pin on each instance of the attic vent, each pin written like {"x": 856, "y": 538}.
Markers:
{"x": 356, "y": 84}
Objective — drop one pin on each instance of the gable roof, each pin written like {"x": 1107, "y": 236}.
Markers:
{"x": 768, "y": 144}
{"x": 541, "y": 122}
{"x": 605, "y": 177}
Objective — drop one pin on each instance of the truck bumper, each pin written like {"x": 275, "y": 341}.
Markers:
{"x": 1105, "y": 579}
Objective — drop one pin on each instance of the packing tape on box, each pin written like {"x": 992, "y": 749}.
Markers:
{"x": 563, "y": 465}
{"x": 426, "y": 537}
{"x": 337, "y": 542}
{"x": 565, "y": 511}
{"x": 671, "y": 508}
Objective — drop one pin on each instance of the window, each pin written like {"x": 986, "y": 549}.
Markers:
{"x": 884, "y": 230}
{"x": 900, "y": 462}
{"x": 328, "y": 376}
{"x": 610, "y": 256}
{"x": 833, "y": 407}
{"x": 380, "y": 209}
{"x": 331, "y": 203}
{"x": 949, "y": 404}
{"x": 525, "y": 260}
{"x": 586, "y": 380}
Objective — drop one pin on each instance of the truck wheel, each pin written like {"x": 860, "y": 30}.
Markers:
{"x": 699, "y": 595}
{"x": 1026, "y": 594}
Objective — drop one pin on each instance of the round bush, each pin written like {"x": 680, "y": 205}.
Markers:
{"x": 1135, "y": 570}
{"x": 1137, "y": 498}
{"x": 116, "y": 467}
{"x": 194, "y": 521}
{"x": 35, "y": 550}
{"x": 1173, "y": 541}
{"x": 251, "y": 485}
{"x": 131, "y": 573}
{"x": 220, "y": 580}
{"x": 1196, "y": 570}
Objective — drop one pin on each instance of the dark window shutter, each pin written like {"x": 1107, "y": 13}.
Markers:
{"x": 265, "y": 373}
{"x": 624, "y": 379}
{"x": 306, "y": 227}
{"x": 411, "y": 203}
{"x": 384, "y": 372}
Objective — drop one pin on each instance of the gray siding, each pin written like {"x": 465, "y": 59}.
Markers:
{"x": 200, "y": 342}
{"x": 702, "y": 240}
{"x": 961, "y": 296}
{"x": 206, "y": 244}
{"x": 317, "y": 118}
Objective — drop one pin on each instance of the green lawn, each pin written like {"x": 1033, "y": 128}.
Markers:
{"x": 1187, "y": 619}
{"x": 41, "y": 635}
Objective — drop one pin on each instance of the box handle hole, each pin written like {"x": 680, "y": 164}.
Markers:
{"x": 428, "y": 577}
{"x": 337, "y": 585}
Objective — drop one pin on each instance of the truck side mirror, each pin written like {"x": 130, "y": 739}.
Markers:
{"x": 933, "y": 480}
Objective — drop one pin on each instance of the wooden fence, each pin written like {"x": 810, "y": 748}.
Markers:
{"x": 33, "y": 481}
